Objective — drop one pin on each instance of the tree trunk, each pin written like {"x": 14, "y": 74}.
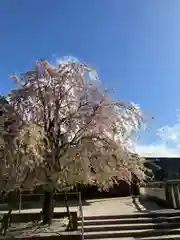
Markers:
{"x": 48, "y": 207}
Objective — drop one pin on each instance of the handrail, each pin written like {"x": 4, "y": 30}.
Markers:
{"x": 171, "y": 181}
{"x": 70, "y": 193}
{"x": 175, "y": 181}
{"x": 56, "y": 193}
{"x": 40, "y": 194}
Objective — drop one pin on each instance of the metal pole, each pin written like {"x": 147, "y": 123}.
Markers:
{"x": 20, "y": 200}
{"x": 81, "y": 214}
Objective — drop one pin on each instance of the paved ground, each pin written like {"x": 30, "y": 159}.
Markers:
{"x": 116, "y": 206}
{"x": 100, "y": 207}
{"x": 110, "y": 206}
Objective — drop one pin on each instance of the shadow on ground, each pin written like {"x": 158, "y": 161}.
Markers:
{"x": 143, "y": 205}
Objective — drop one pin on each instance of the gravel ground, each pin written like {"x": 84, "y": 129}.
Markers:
{"x": 32, "y": 229}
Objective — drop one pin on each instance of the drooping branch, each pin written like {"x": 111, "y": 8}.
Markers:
{"x": 68, "y": 126}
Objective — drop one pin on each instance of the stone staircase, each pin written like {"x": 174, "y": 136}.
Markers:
{"x": 142, "y": 226}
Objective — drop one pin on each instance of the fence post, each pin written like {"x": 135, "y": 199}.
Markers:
{"x": 20, "y": 201}
{"x": 81, "y": 214}
{"x": 178, "y": 195}
{"x": 173, "y": 195}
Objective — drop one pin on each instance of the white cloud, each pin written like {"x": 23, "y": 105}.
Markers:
{"x": 170, "y": 133}
{"x": 159, "y": 150}
{"x": 168, "y": 146}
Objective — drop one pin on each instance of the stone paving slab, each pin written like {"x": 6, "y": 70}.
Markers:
{"x": 108, "y": 206}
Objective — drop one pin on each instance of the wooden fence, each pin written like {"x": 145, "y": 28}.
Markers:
{"x": 167, "y": 192}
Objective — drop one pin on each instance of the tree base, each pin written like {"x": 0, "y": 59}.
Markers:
{"x": 48, "y": 207}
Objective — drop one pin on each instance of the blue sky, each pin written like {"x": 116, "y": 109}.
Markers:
{"x": 133, "y": 44}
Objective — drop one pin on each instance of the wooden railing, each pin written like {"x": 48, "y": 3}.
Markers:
{"x": 79, "y": 203}
{"x": 167, "y": 192}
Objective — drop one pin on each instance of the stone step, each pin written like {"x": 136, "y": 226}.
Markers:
{"x": 129, "y": 221}
{"x": 138, "y": 215}
{"x": 168, "y": 237}
{"x": 140, "y": 233}
{"x": 128, "y": 238}
{"x": 134, "y": 226}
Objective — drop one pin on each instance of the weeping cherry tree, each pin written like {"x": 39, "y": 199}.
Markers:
{"x": 71, "y": 131}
